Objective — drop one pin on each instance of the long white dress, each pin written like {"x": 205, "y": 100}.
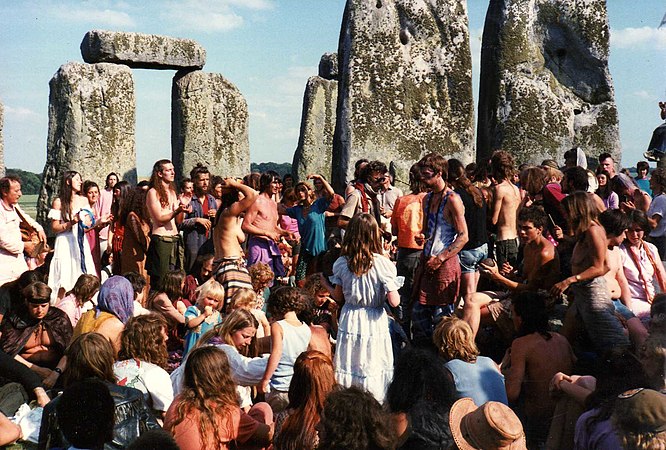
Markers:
{"x": 66, "y": 265}
{"x": 363, "y": 355}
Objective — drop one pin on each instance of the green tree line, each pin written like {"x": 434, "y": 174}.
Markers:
{"x": 30, "y": 182}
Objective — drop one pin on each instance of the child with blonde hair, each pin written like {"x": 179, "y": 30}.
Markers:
{"x": 204, "y": 315}
{"x": 247, "y": 299}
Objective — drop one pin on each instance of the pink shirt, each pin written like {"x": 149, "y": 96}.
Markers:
{"x": 104, "y": 208}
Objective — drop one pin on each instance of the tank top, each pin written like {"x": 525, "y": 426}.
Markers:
{"x": 439, "y": 233}
{"x": 475, "y": 217}
{"x": 480, "y": 380}
{"x": 295, "y": 341}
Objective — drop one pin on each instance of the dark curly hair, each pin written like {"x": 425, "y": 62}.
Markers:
{"x": 534, "y": 214}
{"x": 353, "y": 420}
{"x": 142, "y": 339}
{"x": 285, "y": 299}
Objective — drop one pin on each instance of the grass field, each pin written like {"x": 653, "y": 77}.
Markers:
{"x": 29, "y": 205}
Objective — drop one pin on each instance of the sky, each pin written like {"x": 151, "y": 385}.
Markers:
{"x": 268, "y": 49}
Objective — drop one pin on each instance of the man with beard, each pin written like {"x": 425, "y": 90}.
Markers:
{"x": 197, "y": 225}
{"x": 364, "y": 197}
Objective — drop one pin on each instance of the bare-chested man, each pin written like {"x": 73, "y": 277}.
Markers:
{"x": 229, "y": 265}
{"x": 591, "y": 298}
{"x": 541, "y": 270}
{"x": 165, "y": 251}
{"x": 261, "y": 224}
{"x": 505, "y": 205}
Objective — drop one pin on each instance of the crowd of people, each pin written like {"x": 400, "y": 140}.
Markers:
{"x": 491, "y": 306}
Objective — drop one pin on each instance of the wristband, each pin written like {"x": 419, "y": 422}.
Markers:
{"x": 58, "y": 370}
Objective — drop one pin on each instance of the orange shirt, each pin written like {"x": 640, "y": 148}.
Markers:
{"x": 407, "y": 220}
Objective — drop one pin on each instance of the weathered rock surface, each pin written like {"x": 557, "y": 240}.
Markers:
{"x": 328, "y": 66}
{"x": 315, "y": 143}
{"x": 91, "y": 126}
{"x": 2, "y": 140}
{"x": 209, "y": 124}
{"x": 142, "y": 51}
{"x": 545, "y": 85}
{"x": 405, "y": 84}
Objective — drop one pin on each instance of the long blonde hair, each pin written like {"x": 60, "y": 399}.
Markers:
{"x": 362, "y": 239}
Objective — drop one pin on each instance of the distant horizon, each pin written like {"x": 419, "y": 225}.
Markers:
{"x": 268, "y": 49}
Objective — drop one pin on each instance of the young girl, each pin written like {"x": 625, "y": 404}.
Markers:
{"x": 364, "y": 280}
{"x": 262, "y": 279}
{"x": 247, "y": 299}
{"x": 289, "y": 338}
{"x": 82, "y": 292}
{"x": 204, "y": 315}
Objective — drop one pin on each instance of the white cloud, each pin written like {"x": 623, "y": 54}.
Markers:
{"x": 100, "y": 17}
{"x": 210, "y": 17}
{"x": 644, "y": 38}
{"x": 20, "y": 113}
{"x": 642, "y": 94}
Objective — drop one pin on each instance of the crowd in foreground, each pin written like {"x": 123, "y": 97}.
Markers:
{"x": 491, "y": 307}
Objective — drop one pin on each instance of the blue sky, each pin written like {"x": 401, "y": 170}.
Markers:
{"x": 268, "y": 48}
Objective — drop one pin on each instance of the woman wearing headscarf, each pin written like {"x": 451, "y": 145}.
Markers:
{"x": 115, "y": 306}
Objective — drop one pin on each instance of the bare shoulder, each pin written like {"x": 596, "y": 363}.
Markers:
{"x": 56, "y": 204}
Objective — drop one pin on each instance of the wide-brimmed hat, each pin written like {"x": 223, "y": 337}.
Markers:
{"x": 490, "y": 426}
{"x": 641, "y": 411}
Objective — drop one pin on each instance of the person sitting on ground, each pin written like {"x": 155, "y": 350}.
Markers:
{"x": 205, "y": 314}
{"x": 139, "y": 284}
{"x": 201, "y": 272}
{"x": 472, "y": 375}
{"x": 419, "y": 399}
{"x": 206, "y": 415}
{"x": 143, "y": 359}
{"x": 247, "y": 299}
{"x": 75, "y": 300}
{"x": 534, "y": 357}
{"x": 313, "y": 380}
{"x": 168, "y": 300}
{"x": 639, "y": 419}
{"x": 541, "y": 270}
{"x": 352, "y": 419}
{"x": 90, "y": 356}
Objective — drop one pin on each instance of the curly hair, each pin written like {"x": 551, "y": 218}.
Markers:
{"x": 502, "y": 165}
{"x": 89, "y": 356}
{"x": 312, "y": 381}
{"x": 209, "y": 389}
{"x": 143, "y": 339}
{"x": 136, "y": 203}
{"x": 236, "y": 320}
{"x": 353, "y": 420}
{"x": 659, "y": 178}
{"x": 534, "y": 214}
{"x": 84, "y": 288}
{"x": 261, "y": 275}
{"x": 285, "y": 299}
{"x": 162, "y": 192}
{"x": 362, "y": 239}
{"x": 313, "y": 285}
{"x": 454, "y": 339}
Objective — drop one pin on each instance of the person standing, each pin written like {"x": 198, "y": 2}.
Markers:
{"x": 104, "y": 207}
{"x": 364, "y": 197}
{"x": 444, "y": 235}
{"x": 197, "y": 225}
{"x": 505, "y": 208}
{"x": 657, "y": 211}
{"x": 12, "y": 261}
{"x": 165, "y": 251}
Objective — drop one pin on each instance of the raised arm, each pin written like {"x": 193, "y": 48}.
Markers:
{"x": 250, "y": 195}
{"x": 328, "y": 190}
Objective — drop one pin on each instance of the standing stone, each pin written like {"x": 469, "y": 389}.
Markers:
{"x": 142, "y": 51}
{"x": 405, "y": 84}
{"x": 315, "y": 143}
{"x": 2, "y": 140}
{"x": 545, "y": 85}
{"x": 209, "y": 124}
{"x": 91, "y": 126}
{"x": 328, "y": 66}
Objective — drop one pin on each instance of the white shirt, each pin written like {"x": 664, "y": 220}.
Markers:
{"x": 12, "y": 261}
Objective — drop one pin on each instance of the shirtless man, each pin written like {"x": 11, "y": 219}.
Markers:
{"x": 261, "y": 224}
{"x": 165, "y": 251}
{"x": 592, "y": 300}
{"x": 229, "y": 264}
{"x": 535, "y": 356}
{"x": 541, "y": 270}
{"x": 506, "y": 202}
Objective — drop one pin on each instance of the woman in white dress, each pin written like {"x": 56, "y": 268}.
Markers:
{"x": 71, "y": 255}
{"x": 364, "y": 280}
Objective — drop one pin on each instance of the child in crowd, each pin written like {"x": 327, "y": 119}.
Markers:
{"x": 79, "y": 299}
{"x": 139, "y": 287}
{"x": 106, "y": 271}
{"x": 289, "y": 338}
{"x": 166, "y": 301}
{"x": 247, "y": 299}
{"x": 204, "y": 315}
{"x": 325, "y": 308}
{"x": 262, "y": 279}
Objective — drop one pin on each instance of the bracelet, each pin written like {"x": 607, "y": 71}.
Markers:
{"x": 58, "y": 370}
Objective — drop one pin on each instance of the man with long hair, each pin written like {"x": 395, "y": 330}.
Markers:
{"x": 198, "y": 223}
{"x": 165, "y": 251}
{"x": 505, "y": 207}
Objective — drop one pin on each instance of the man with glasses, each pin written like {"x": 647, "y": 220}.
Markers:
{"x": 364, "y": 198}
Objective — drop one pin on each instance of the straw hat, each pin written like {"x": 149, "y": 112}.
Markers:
{"x": 488, "y": 427}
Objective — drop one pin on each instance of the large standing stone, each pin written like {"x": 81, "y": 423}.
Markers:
{"x": 405, "y": 84}
{"x": 315, "y": 143}
{"x": 2, "y": 141}
{"x": 142, "y": 51}
{"x": 545, "y": 85}
{"x": 91, "y": 126}
{"x": 209, "y": 124}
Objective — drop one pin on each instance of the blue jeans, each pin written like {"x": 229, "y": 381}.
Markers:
{"x": 470, "y": 259}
